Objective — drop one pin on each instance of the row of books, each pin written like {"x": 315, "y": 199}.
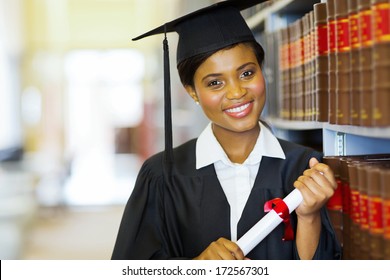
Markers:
{"x": 360, "y": 207}
{"x": 334, "y": 64}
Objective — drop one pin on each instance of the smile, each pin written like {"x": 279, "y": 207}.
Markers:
{"x": 238, "y": 109}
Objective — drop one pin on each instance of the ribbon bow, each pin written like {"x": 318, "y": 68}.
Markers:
{"x": 281, "y": 208}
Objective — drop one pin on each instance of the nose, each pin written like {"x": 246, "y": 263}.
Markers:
{"x": 235, "y": 90}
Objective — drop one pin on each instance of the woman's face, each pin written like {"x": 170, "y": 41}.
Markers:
{"x": 230, "y": 87}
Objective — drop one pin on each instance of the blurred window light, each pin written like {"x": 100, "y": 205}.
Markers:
{"x": 103, "y": 93}
{"x": 31, "y": 106}
{"x": 10, "y": 131}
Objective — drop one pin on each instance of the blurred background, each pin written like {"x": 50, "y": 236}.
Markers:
{"x": 80, "y": 109}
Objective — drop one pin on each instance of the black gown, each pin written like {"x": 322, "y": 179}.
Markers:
{"x": 181, "y": 218}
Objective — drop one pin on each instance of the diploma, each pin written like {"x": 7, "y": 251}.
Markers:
{"x": 269, "y": 222}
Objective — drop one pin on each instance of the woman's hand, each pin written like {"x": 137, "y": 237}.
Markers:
{"x": 316, "y": 185}
{"x": 222, "y": 249}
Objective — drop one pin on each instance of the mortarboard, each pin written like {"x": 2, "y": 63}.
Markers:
{"x": 208, "y": 29}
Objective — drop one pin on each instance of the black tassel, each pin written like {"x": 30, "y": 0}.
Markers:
{"x": 167, "y": 106}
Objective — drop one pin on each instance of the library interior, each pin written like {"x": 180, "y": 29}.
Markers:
{"x": 81, "y": 108}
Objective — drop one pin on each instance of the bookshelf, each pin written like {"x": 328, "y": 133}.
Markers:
{"x": 336, "y": 139}
{"x": 357, "y": 147}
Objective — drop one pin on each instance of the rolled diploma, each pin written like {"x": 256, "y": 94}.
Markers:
{"x": 267, "y": 224}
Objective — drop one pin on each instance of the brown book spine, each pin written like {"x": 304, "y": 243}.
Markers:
{"x": 363, "y": 207}
{"x": 343, "y": 47}
{"x": 385, "y": 194}
{"x": 294, "y": 63}
{"x": 290, "y": 59}
{"x": 366, "y": 64}
{"x": 306, "y": 67}
{"x": 354, "y": 62}
{"x": 381, "y": 62}
{"x": 310, "y": 100}
{"x": 332, "y": 60}
{"x": 346, "y": 184}
{"x": 321, "y": 61}
{"x": 354, "y": 226}
{"x": 300, "y": 72}
{"x": 335, "y": 203}
{"x": 313, "y": 95}
{"x": 375, "y": 219}
{"x": 284, "y": 109}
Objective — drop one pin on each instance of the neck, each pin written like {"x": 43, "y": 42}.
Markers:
{"x": 237, "y": 145}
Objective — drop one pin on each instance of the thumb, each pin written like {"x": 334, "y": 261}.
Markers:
{"x": 312, "y": 162}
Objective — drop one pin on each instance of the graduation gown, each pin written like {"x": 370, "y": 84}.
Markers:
{"x": 179, "y": 217}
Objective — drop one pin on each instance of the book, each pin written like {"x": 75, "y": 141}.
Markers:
{"x": 366, "y": 210}
{"x": 300, "y": 72}
{"x": 375, "y": 213}
{"x": 349, "y": 179}
{"x": 307, "y": 66}
{"x": 335, "y": 203}
{"x": 285, "y": 73}
{"x": 381, "y": 62}
{"x": 332, "y": 61}
{"x": 385, "y": 194}
{"x": 343, "y": 47}
{"x": 321, "y": 61}
{"x": 365, "y": 62}
{"x": 313, "y": 104}
{"x": 354, "y": 63}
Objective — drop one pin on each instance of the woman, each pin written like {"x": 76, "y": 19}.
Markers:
{"x": 218, "y": 183}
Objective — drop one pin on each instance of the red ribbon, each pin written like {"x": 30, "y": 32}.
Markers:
{"x": 280, "y": 207}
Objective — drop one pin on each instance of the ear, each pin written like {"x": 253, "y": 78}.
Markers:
{"x": 191, "y": 91}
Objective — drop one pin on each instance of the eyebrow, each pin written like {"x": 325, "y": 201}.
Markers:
{"x": 215, "y": 75}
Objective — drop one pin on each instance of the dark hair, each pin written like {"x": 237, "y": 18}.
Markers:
{"x": 188, "y": 67}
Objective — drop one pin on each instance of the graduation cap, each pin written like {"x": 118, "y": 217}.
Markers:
{"x": 208, "y": 29}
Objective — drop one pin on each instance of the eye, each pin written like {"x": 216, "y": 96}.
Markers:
{"x": 247, "y": 73}
{"x": 214, "y": 83}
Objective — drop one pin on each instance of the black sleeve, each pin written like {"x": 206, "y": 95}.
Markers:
{"x": 140, "y": 233}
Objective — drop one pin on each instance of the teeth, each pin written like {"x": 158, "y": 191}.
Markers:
{"x": 238, "y": 109}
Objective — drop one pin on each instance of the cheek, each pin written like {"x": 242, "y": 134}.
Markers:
{"x": 209, "y": 101}
{"x": 259, "y": 87}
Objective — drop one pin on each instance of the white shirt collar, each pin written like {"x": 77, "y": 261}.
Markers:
{"x": 209, "y": 151}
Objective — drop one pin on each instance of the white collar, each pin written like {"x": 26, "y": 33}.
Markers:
{"x": 209, "y": 151}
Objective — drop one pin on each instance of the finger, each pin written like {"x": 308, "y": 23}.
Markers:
{"x": 233, "y": 249}
{"x": 236, "y": 252}
{"x": 307, "y": 186}
{"x": 327, "y": 172}
{"x": 313, "y": 161}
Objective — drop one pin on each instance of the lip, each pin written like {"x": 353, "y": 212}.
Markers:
{"x": 239, "y": 110}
